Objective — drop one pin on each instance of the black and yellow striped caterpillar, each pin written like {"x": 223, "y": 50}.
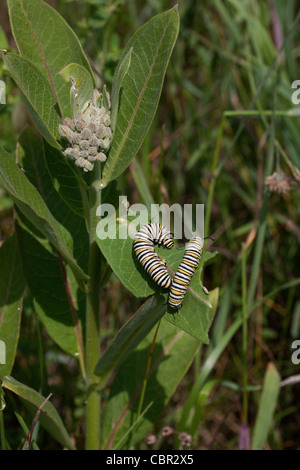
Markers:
{"x": 185, "y": 272}
{"x": 143, "y": 245}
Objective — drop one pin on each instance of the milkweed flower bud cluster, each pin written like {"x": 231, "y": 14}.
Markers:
{"x": 89, "y": 133}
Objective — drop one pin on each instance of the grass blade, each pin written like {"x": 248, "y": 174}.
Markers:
{"x": 267, "y": 406}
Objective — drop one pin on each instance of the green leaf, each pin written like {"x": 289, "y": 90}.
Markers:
{"x": 33, "y": 157}
{"x": 130, "y": 335}
{"x": 3, "y": 39}
{"x": 58, "y": 300}
{"x": 266, "y": 408}
{"x": 120, "y": 256}
{"x": 64, "y": 179}
{"x": 12, "y": 286}
{"x": 115, "y": 96}
{"x": 43, "y": 37}
{"x": 206, "y": 370}
{"x": 202, "y": 399}
{"x": 152, "y": 46}
{"x": 26, "y": 432}
{"x": 38, "y": 96}
{"x": 122, "y": 259}
{"x": 173, "y": 353}
{"x": 140, "y": 180}
{"x": 195, "y": 317}
{"x": 83, "y": 83}
{"x": 31, "y": 204}
{"x": 130, "y": 430}
{"x": 49, "y": 418}
{"x": 196, "y": 314}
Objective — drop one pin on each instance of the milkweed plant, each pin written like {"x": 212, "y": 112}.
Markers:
{"x": 66, "y": 165}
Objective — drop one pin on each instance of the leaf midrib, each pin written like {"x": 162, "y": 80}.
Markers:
{"x": 42, "y": 55}
{"x": 125, "y": 135}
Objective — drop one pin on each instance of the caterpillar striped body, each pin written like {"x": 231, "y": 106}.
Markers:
{"x": 143, "y": 245}
{"x": 185, "y": 272}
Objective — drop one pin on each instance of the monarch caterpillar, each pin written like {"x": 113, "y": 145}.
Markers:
{"x": 143, "y": 245}
{"x": 185, "y": 272}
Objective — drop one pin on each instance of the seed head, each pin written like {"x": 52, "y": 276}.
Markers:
{"x": 280, "y": 183}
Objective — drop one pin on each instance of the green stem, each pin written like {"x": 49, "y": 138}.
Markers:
{"x": 93, "y": 405}
{"x": 141, "y": 401}
{"x": 213, "y": 181}
{"x": 258, "y": 113}
{"x": 245, "y": 333}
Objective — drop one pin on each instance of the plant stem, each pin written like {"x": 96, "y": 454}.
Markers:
{"x": 141, "y": 401}
{"x": 213, "y": 182}
{"x": 245, "y": 333}
{"x": 93, "y": 405}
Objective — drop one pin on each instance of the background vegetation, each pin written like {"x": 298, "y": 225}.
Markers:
{"x": 225, "y": 123}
